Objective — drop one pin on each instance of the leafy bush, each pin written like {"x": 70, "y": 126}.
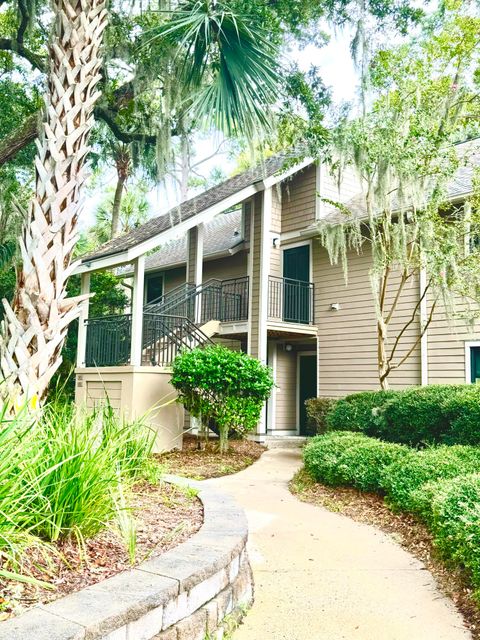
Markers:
{"x": 455, "y": 521}
{"x": 317, "y": 411}
{"x": 359, "y": 411}
{"x": 352, "y": 459}
{"x": 463, "y": 410}
{"x": 404, "y": 476}
{"x": 216, "y": 383}
{"x": 422, "y": 415}
{"x": 322, "y": 455}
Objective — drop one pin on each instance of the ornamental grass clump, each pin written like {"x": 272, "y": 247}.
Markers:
{"x": 63, "y": 474}
{"x": 228, "y": 387}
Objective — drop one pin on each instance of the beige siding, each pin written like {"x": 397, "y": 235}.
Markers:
{"x": 173, "y": 278}
{"x": 347, "y": 345}
{"x": 331, "y": 189}
{"x": 99, "y": 392}
{"x": 298, "y": 200}
{"x": 276, "y": 228}
{"x": 230, "y": 267}
{"x": 286, "y": 393}
{"x": 446, "y": 346}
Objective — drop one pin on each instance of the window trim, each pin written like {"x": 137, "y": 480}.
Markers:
{"x": 468, "y": 359}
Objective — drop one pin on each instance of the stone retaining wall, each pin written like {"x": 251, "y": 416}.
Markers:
{"x": 184, "y": 594}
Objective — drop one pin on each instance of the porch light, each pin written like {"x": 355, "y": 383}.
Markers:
{"x": 288, "y": 347}
{"x": 335, "y": 306}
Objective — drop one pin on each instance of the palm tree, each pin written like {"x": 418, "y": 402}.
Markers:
{"x": 225, "y": 55}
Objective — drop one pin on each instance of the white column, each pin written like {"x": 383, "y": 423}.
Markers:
{"x": 137, "y": 311}
{"x": 195, "y": 264}
{"x": 82, "y": 329}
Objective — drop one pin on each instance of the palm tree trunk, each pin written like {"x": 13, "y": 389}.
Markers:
{"x": 36, "y": 323}
{"x": 117, "y": 202}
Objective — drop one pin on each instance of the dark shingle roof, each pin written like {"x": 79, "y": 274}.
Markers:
{"x": 190, "y": 208}
{"x": 220, "y": 235}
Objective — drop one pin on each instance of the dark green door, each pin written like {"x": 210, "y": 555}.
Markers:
{"x": 307, "y": 381}
{"x": 475, "y": 364}
{"x": 296, "y": 288}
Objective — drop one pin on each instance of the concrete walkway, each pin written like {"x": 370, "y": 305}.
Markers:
{"x": 321, "y": 576}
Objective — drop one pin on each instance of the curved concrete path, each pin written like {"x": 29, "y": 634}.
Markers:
{"x": 321, "y": 576}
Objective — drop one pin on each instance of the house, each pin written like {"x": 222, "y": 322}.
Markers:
{"x": 241, "y": 264}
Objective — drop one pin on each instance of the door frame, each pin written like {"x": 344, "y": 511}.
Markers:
{"x": 468, "y": 359}
{"x": 312, "y": 353}
{"x": 294, "y": 245}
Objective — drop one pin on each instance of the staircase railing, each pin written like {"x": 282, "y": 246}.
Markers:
{"x": 164, "y": 336}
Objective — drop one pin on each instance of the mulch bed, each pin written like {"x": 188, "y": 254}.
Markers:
{"x": 200, "y": 464}
{"x": 166, "y": 516}
{"x": 404, "y": 529}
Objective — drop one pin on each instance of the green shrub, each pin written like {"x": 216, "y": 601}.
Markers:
{"x": 359, "y": 412}
{"x": 422, "y": 415}
{"x": 317, "y": 411}
{"x": 350, "y": 459}
{"x": 361, "y": 465}
{"x": 403, "y": 477}
{"x": 322, "y": 454}
{"x": 226, "y": 386}
{"x": 455, "y": 522}
{"x": 463, "y": 410}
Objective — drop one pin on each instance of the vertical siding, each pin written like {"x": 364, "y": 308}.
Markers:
{"x": 298, "y": 200}
{"x": 347, "y": 344}
{"x": 286, "y": 393}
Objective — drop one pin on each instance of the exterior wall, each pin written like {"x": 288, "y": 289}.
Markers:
{"x": 347, "y": 344}
{"x": 134, "y": 392}
{"x": 446, "y": 346}
{"x": 286, "y": 393}
{"x": 330, "y": 189}
{"x": 298, "y": 200}
{"x": 224, "y": 268}
{"x": 275, "y": 229}
{"x": 255, "y": 249}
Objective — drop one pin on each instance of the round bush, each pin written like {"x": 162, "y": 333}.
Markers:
{"x": 359, "y": 412}
{"x": 404, "y": 476}
{"x": 322, "y": 454}
{"x": 420, "y": 416}
{"x": 463, "y": 409}
{"x": 361, "y": 464}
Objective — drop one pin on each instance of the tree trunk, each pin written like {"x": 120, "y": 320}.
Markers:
{"x": 122, "y": 162}
{"x": 382, "y": 354}
{"x": 36, "y": 323}
{"x": 117, "y": 202}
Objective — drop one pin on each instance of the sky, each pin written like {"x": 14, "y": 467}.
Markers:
{"x": 338, "y": 73}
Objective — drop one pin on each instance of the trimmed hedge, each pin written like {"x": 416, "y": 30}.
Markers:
{"x": 350, "y": 459}
{"x": 317, "y": 411}
{"x": 359, "y": 411}
{"x": 403, "y": 477}
{"x": 424, "y": 415}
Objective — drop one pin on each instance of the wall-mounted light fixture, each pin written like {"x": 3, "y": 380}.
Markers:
{"x": 275, "y": 240}
{"x": 288, "y": 347}
{"x": 335, "y": 306}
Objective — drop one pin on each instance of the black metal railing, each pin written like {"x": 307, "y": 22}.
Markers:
{"x": 108, "y": 341}
{"x": 224, "y": 300}
{"x": 164, "y": 336}
{"x": 179, "y": 301}
{"x": 290, "y": 300}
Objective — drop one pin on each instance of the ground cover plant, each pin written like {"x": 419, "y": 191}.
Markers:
{"x": 439, "y": 485}
{"x": 227, "y": 387}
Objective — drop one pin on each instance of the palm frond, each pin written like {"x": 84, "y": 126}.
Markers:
{"x": 227, "y": 62}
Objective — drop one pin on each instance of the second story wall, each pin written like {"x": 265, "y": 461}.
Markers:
{"x": 298, "y": 200}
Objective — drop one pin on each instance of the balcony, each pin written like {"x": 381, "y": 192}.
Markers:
{"x": 290, "y": 300}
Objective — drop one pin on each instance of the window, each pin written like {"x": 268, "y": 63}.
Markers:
{"x": 475, "y": 365}
{"x": 153, "y": 287}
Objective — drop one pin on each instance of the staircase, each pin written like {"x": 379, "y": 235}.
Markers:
{"x": 168, "y": 323}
